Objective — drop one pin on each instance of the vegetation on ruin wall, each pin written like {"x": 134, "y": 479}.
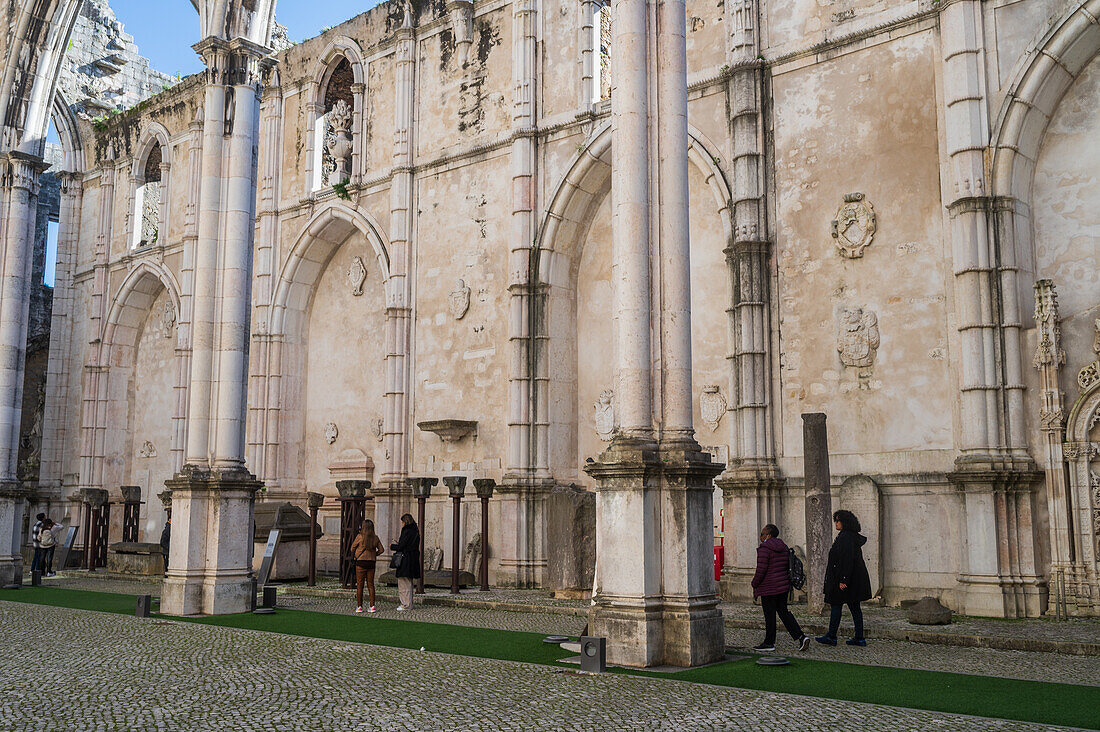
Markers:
{"x": 122, "y": 128}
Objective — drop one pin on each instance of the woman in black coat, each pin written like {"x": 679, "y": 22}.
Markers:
{"x": 846, "y": 578}
{"x": 409, "y": 568}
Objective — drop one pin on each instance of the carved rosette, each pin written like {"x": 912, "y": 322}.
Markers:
{"x": 357, "y": 275}
{"x": 854, "y": 226}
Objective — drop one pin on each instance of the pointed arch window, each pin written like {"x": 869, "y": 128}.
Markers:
{"x": 150, "y": 199}
{"x": 334, "y": 136}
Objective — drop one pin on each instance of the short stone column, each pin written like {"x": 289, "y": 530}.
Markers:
{"x": 421, "y": 488}
{"x": 819, "y": 509}
{"x": 484, "y": 488}
{"x": 12, "y": 500}
{"x": 96, "y": 523}
{"x": 456, "y": 488}
{"x": 353, "y": 503}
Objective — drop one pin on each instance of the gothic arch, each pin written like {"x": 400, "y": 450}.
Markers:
{"x": 132, "y": 302}
{"x": 319, "y": 239}
{"x": 68, "y": 131}
{"x": 341, "y": 50}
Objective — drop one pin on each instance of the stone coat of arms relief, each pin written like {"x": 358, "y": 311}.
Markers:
{"x": 712, "y": 405}
{"x": 605, "y": 415}
{"x": 458, "y": 302}
{"x": 858, "y": 339}
{"x": 357, "y": 275}
{"x": 854, "y": 226}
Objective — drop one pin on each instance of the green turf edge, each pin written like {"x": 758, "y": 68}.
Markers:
{"x": 982, "y": 696}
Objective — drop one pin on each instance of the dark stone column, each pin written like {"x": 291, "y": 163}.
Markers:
{"x": 819, "y": 506}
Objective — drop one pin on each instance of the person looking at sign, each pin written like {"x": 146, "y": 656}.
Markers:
{"x": 365, "y": 550}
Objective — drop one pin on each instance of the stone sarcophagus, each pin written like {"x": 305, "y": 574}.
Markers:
{"x": 137, "y": 558}
{"x": 292, "y": 552}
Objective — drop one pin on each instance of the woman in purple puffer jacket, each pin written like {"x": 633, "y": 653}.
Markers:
{"x": 771, "y": 585}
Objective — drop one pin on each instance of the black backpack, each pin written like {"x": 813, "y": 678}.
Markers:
{"x": 796, "y": 573}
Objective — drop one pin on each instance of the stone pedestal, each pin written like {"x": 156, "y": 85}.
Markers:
{"x": 751, "y": 498}
{"x": 654, "y": 505}
{"x": 210, "y": 557}
{"x": 522, "y": 554}
{"x": 12, "y": 498}
{"x": 571, "y": 539}
{"x": 136, "y": 558}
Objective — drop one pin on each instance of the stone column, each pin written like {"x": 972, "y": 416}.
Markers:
{"x": 210, "y": 563}
{"x": 392, "y": 497}
{"x": 992, "y": 456}
{"x": 654, "y": 492}
{"x": 819, "y": 508}
{"x": 21, "y": 179}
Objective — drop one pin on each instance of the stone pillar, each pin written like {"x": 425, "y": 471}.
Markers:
{"x": 654, "y": 490}
{"x": 992, "y": 456}
{"x": 819, "y": 509}
{"x": 21, "y": 179}
{"x": 213, "y": 495}
{"x": 392, "y": 497}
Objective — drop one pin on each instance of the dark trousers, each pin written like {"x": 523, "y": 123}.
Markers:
{"x": 777, "y": 605}
{"x": 46, "y": 566}
{"x": 36, "y": 562}
{"x": 857, "y": 619}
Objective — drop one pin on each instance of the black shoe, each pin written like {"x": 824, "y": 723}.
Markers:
{"x": 826, "y": 640}
{"x": 764, "y": 648}
{"x": 855, "y": 642}
{"x": 804, "y": 643}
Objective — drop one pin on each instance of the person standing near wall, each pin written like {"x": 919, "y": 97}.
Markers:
{"x": 48, "y": 541}
{"x": 407, "y": 565}
{"x": 36, "y": 561}
{"x": 846, "y": 579}
{"x": 772, "y": 584}
{"x": 364, "y": 551}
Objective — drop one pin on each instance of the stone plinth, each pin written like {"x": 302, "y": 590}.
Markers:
{"x": 137, "y": 558}
{"x": 210, "y": 568}
{"x": 11, "y": 515}
{"x": 570, "y": 539}
{"x": 352, "y": 464}
{"x": 292, "y": 552}
{"x": 660, "y": 608}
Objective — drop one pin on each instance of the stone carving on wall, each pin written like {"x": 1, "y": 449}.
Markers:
{"x": 150, "y": 213}
{"x": 331, "y": 432}
{"x": 1048, "y": 351}
{"x": 168, "y": 320}
{"x": 712, "y": 405}
{"x": 473, "y": 555}
{"x": 459, "y": 301}
{"x": 854, "y": 225}
{"x": 148, "y": 450}
{"x": 377, "y": 428}
{"x": 462, "y": 20}
{"x": 433, "y": 558}
{"x": 605, "y": 415}
{"x": 1090, "y": 374}
{"x": 858, "y": 338}
{"x": 357, "y": 275}
{"x": 338, "y": 142}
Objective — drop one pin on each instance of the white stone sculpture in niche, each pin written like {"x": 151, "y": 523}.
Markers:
{"x": 150, "y": 213}
{"x": 605, "y": 415}
{"x": 357, "y": 275}
{"x": 854, "y": 225}
{"x": 148, "y": 450}
{"x": 331, "y": 432}
{"x": 168, "y": 320}
{"x": 858, "y": 339}
{"x": 712, "y": 405}
{"x": 459, "y": 301}
{"x": 338, "y": 142}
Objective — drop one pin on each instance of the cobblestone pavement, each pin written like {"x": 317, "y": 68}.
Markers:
{"x": 76, "y": 670}
{"x": 1029, "y": 665}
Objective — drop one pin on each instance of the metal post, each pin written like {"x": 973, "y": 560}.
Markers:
{"x": 87, "y": 535}
{"x": 484, "y": 487}
{"x": 314, "y": 501}
{"x": 456, "y": 486}
{"x": 420, "y": 501}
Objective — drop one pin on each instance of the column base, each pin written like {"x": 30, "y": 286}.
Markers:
{"x": 210, "y": 556}
{"x": 522, "y": 553}
{"x": 655, "y": 602}
{"x": 12, "y": 498}
{"x": 751, "y": 498}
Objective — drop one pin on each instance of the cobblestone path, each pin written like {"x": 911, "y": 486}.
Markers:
{"x": 75, "y": 670}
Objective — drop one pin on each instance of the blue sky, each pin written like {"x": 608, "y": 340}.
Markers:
{"x": 165, "y": 29}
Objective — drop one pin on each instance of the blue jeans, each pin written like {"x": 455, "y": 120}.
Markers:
{"x": 36, "y": 563}
{"x": 857, "y": 619}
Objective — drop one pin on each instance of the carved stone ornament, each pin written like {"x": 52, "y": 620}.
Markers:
{"x": 150, "y": 213}
{"x": 148, "y": 450}
{"x": 459, "y": 301}
{"x": 168, "y": 320}
{"x": 1052, "y": 419}
{"x": 357, "y": 275}
{"x": 605, "y": 415}
{"x": 1090, "y": 375}
{"x": 338, "y": 142}
{"x": 1048, "y": 351}
{"x": 1079, "y": 450}
{"x": 377, "y": 429}
{"x": 712, "y": 405}
{"x": 331, "y": 432}
{"x": 858, "y": 338}
{"x": 854, "y": 225}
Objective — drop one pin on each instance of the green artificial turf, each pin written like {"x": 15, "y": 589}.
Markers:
{"x": 984, "y": 696}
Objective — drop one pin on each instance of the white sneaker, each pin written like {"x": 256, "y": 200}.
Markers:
{"x": 372, "y": 609}
{"x": 359, "y": 609}
{"x": 401, "y": 608}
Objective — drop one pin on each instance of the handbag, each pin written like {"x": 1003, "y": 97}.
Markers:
{"x": 397, "y": 560}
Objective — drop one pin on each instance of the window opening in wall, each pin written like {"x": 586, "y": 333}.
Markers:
{"x": 150, "y": 199}
{"x": 335, "y": 143}
{"x": 601, "y": 47}
{"x": 50, "y": 272}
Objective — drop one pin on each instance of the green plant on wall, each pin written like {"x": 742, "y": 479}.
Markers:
{"x": 341, "y": 190}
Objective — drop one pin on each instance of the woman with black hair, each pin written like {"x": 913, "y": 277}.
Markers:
{"x": 406, "y": 560}
{"x": 846, "y": 578}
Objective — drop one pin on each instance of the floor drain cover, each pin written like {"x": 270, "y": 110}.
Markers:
{"x": 772, "y": 661}
{"x": 555, "y": 639}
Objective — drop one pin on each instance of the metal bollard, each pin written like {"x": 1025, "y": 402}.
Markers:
{"x": 270, "y": 596}
{"x": 144, "y": 604}
{"x": 593, "y": 654}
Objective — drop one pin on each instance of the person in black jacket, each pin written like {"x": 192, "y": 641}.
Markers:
{"x": 408, "y": 544}
{"x": 846, "y": 578}
{"x": 166, "y": 539}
